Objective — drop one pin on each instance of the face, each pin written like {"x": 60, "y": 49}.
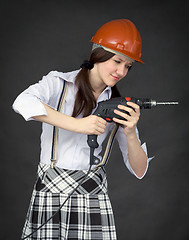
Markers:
{"x": 113, "y": 70}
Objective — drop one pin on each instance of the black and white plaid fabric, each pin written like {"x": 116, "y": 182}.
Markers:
{"x": 86, "y": 215}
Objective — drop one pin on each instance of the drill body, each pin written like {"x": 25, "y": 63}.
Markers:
{"x": 106, "y": 109}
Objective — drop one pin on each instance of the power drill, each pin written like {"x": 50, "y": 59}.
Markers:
{"x": 106, "y": 109}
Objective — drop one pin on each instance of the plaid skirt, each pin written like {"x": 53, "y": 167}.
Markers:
{"x": 86, "y": 215}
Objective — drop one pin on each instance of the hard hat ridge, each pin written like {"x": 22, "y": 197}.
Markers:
{"x": 95, "y": 45}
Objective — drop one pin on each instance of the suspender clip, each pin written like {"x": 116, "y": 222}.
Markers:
{"x": 53, "y": 161}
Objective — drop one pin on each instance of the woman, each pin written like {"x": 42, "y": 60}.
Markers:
{"x": 87, "y": 214}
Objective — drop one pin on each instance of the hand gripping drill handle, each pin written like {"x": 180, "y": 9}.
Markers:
{"x": 106, "y": 109}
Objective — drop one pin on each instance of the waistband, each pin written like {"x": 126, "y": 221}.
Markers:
{"x": 58, "y": 180}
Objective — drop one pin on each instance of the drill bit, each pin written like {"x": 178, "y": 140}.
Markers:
{"x": 154, "y": 103}
{"x": 166, "y": 103}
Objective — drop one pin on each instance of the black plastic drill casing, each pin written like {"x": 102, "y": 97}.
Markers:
{"x": 106, "y": 109}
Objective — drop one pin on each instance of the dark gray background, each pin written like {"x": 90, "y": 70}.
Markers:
{"x": 38, "y": 36}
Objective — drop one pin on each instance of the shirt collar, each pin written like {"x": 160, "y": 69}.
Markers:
{"x": 70, "y": 77}
{"x": 105, "y": 95}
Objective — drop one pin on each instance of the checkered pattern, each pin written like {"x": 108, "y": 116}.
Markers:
{"x": 86, "y": 215}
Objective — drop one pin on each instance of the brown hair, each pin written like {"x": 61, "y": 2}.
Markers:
{"x": 85, "y": 100}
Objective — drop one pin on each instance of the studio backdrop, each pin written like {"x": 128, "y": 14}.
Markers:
{"x": 39, "y": 36}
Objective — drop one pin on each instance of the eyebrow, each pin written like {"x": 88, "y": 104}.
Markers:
{"x": 129, "y": 64}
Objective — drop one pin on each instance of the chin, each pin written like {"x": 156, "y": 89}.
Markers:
{"x": 111, "y": 84}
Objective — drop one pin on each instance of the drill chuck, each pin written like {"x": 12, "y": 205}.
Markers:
{"x": 146, "y": 103}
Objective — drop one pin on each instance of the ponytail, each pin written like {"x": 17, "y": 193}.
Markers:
{"x": 85, "y": 101}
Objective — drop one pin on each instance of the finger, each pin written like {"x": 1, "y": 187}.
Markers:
{"x": 133, "y": 117}
{"x": 99, "y": 120}
{"x": 100, "y": 130}
{"x": 131, "y": 111}
{"x": 122, "y": 114}
{"x": 125, "y": 123}
{"x": 96, "y": 130}
{"x": 101, "y": 125}
{"x": 134, "y": 105}
{"x": 121, "y": 122}
{"x": 102, "y": 122}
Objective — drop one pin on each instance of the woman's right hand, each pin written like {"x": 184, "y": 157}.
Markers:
{"x": 87, "y": 125}
{"x": 91, "y": 125}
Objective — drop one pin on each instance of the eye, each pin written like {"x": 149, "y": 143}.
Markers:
{"x": 129, "y": 67}
{"x": 117, "y": 61}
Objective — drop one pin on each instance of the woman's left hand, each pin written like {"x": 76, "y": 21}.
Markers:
{"x": 131, "y": 120}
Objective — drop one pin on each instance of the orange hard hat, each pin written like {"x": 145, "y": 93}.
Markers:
{"x": 121, "y": 36}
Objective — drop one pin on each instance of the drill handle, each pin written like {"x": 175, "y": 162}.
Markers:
{"x": 92, "y": 141}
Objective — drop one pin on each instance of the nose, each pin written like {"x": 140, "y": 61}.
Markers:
{"x": 122, "y": 70}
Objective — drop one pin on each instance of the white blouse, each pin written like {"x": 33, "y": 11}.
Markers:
{"x": 72, "y": 148}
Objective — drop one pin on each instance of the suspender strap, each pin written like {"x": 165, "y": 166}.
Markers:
{"x": 55, "y": 129}
{"x": 109, "y": 147}
{"x": 55, "y": 133}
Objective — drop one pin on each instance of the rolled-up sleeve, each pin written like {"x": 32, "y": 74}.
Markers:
{"x": 29, "y": 102}
{"x": 122, "y": 141}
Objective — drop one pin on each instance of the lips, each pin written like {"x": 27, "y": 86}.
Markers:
{"x": 116, "y": 78}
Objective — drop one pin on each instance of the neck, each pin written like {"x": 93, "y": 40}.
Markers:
{"x": 97, "y": 85}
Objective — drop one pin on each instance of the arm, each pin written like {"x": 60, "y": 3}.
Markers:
{"x": 39, "y": 101}
{"x": 88, "y": 125}
{"x": 136, "y": 155}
